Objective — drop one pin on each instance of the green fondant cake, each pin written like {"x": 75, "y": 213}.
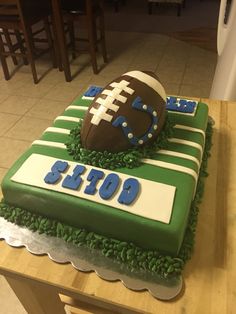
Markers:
{"x": 141, "y": 212}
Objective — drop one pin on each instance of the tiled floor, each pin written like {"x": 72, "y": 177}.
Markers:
{"x": 27, "y": 109}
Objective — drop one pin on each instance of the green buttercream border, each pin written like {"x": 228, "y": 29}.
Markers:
{"x": 129, "y": 159}
{"x": 135, "y": 258}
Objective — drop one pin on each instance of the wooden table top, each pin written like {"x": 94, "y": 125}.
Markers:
{"x": 210, "y": 276}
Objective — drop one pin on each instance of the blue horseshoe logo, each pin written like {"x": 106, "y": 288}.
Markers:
{"x": 122, "y": 122}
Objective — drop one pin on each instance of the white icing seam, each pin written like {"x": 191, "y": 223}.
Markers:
{"x": 66, "y": 118}
{"x": 171, "y": 166}
{"x": 185, "y": 142}
{"x": 180, "y": 155}
{"x": 57, "y": 130}
{"x": 77, "y": 108}
{"x": 148, "y": 80}
{"x": 188, "y": 128}
{"x": 123, "y": 85}
{"x": 49, "y": 143}
{"x": 115, "y": 94}
{"x": 107, "y": 103}
{"x": 100, "y": 114}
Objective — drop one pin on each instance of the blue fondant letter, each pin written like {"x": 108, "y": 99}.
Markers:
{"x": 73, "y": 182}
{"x": 93, "y": 91}
{"x": 109, "y": 186}
{"x": 94, "y": 176}
{"x": 129, "y": 192}
{"x": 55, "y": 174}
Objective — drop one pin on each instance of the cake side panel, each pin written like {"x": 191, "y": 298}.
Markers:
{"x": 102, "y": 219}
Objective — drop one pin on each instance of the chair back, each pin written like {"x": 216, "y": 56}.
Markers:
{"x": 9, "y": 7}
{"x": 17, "y": 17}
{"x": 25, "y": 9}
{"x": 92, "y": 14}
{"x": 11, "y": 13}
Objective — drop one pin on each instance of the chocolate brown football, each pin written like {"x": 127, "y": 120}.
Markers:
{"x": 130, "y": 111}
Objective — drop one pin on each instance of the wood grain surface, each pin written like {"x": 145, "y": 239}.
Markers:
{"x": 209, "y": 278}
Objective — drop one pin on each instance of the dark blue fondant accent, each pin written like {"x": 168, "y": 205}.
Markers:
{"x": 73, "y": 182}
{"x": 93, "y": 91}
{"x": 181, "y": 105}
{"x": 55, "y": 174}
{"x": 130, "y": 191}
{"x": 171, "y": 102}
{"x": 126, "y": 130}
{"x": 94, "y": 176}
{"x": 138, "y": 105}
{"x": 109, "y": 186}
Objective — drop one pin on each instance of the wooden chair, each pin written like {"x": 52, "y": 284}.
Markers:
{"x": 178, "y": 3}
{"x": 8, "y": 43}
{"x": 17, "y": 18}
{"x": 92, "y": 12}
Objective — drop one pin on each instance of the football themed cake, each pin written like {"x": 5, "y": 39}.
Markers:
{"x": 120, "y": 171}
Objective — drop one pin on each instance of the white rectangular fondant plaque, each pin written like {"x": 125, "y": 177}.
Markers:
{"x": 154, "y": 200}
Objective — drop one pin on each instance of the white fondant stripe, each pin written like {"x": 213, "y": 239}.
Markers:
{"x": 66, "y": 118}
{"x": 185, "y": 142}
{"x": 148, "y": 80}
{"x": 166, "y": 152}
{"x": 180, "y": 155}
{"x": 57, "y": 130}
{"x": 87, "y": 97}
{"x": 77, "y": 108}
{"x": 188, "y": 128}
{"x": 170, "y": 166}
{"x": 183, "y": 113}
{"x": 49, "y": 143}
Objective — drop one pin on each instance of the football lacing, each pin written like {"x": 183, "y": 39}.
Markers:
{"x": 107, "y": 103}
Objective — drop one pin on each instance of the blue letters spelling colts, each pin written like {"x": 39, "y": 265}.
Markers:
{"x": 122, "y": 122}
{"x": 180, "y": 105}
{"x": 110, "y": 184}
